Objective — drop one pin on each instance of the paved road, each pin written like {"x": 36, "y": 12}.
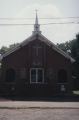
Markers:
{"x": 38, "y": 104}
{"x": 39, "y": 110}
{"x": 39, "y": 114}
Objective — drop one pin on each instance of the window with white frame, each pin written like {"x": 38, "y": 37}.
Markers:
{"x": 37, "y": 75}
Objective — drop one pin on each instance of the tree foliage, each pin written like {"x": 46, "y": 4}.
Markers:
{"x": 5, "y": 49}
{"x": 72, "y": 48}
{"x": 75, "y": 53}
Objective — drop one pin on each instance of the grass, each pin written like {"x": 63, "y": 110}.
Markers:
{"x": 76, "y": 92}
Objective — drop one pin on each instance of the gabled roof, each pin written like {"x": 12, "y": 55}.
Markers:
{"x": 42, "y": 38}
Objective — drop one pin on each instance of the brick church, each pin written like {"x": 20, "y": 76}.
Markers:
{"x": 36, "y": 67}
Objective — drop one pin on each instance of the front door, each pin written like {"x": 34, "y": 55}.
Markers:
{"x": 36, "y": 75}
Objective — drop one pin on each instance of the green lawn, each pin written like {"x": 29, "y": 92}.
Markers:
{"x": 76, "y": 92}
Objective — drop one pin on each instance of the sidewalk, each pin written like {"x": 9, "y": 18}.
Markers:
{"x": 38, "y": 105}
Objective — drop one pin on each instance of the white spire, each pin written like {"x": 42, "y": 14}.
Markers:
{"x": 36, "y": 25}
{"x": 36, "y": 21}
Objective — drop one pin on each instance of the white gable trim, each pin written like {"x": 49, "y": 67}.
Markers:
{"x": 32, "y": 37}
{"x": 42, "y": 38}
{"x": 53, "y": 46}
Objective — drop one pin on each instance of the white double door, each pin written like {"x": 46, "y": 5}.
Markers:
{"x": 37, "y": 75}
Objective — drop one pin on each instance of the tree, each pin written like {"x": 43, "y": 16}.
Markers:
{"x": 73, "y": 47}
{"x": 75, "y": 53}
{"x": 66, "y": 47}
{"x": 5, "y": 49}
{"x": 13, "y": 45}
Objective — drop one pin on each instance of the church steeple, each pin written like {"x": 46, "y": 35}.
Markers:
{"x": 36, "y": 25}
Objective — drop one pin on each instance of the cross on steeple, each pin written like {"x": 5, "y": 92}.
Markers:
{"x": 37, "y": 49}
{"x": 36, "y": 25}
{"x": 36, "y": 10}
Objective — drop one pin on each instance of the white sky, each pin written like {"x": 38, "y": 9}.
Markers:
{"x": 46, "y": 8}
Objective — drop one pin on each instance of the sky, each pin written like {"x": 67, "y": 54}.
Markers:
{"x": 57, "y": 33}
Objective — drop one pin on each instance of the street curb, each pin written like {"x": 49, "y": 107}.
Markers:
{"x": 39, "y": 107}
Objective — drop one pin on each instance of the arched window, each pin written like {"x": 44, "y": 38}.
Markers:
{"x": 10, "y": 75}
{"x": 62, "y": 76}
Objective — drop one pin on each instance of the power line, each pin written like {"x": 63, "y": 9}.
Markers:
{"x": 61, "y": 23}
{"x": 15, "y": 24}
{"x": 40, "y": 24}
{"x": 61, "y": 18}
{"x": 39, "y": 18}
